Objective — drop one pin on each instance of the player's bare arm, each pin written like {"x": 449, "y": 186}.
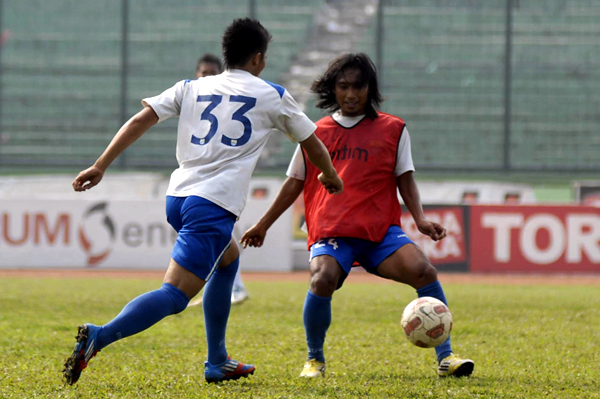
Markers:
{"x": 319, "y": 156}
{"x": 289, "y": 192}
{"x": 132, "y": 130}
{"x": 410, "y": 194}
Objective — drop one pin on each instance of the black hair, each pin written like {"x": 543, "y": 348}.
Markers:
{"x": 243, "y": 39}
{"x": 209, "y": 58}
{"x": 324, "y": 86}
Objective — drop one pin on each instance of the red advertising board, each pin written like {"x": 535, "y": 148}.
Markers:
{"x": 535, "y": 239}
{"x": 452, "y": 250}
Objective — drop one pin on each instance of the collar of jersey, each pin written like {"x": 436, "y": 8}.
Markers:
{"x": 237, "y": 72}
{"x": 347, "y": 121}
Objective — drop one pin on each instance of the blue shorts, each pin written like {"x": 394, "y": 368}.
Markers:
{"x": 368, "y": 254}
{"x": 204, "y": 233}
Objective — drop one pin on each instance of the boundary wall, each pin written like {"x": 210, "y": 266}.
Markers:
{"x": 114, "y": 232}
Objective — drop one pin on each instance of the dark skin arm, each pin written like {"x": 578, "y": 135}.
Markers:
{"x": 410, "y": 194}
{"x": 290, "y": 190}
{"x": 319, "y": 156}
{"x": 132, "y": 130}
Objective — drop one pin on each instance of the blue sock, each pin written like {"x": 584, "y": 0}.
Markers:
{"x": 216, "y": 305}
{"x": 143, "y": 312}
{"x": 435, "y": 290}
{"x": 317, "y": 318}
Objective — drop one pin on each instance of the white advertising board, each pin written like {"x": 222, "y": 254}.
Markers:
{"x": 122, "y": 234}
{"x": 276, "y": 254}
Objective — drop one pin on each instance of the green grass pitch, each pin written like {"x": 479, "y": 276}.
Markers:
{"x": 526, "y": 341}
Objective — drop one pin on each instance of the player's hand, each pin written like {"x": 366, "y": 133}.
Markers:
{"x": 333, "y": 185}
{"x": 88, "y": 178}
{"x": 254, "y": 236}
{"x": 434, "y": 230}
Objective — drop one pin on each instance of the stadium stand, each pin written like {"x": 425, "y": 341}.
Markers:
{"x": 444, "y": 73}
{"x": 60, "y": 68}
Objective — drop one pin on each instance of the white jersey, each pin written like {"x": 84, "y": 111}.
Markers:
{"x": 404, "y": 162}
{"x": 224, "y": 122}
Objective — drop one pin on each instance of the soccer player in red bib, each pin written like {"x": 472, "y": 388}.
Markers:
{"x": 371, "y": 152}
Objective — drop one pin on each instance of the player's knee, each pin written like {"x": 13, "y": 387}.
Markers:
{"x": 427, "y": 274}
{"x": 325, "y": 273}
{"x": 179, "y": 299}
{"x": 323, "y": 283}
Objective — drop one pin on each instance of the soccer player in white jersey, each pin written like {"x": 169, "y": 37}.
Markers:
{"x": 224, "y": 122}
{"x": 209, "y": 65}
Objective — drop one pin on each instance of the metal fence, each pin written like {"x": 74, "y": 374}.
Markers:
{"x": 486, "y": 85}
{"x": 498, "y": 85}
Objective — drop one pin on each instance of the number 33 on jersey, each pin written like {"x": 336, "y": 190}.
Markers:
{"x": 215, "y": 100}
{"x": 224, "y": 122}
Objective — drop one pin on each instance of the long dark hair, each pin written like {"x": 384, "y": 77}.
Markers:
{"x": 324, "y": 86}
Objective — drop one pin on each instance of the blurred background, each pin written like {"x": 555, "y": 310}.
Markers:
{"x": 502, "y": 98}
{"x": 510, "y": 85}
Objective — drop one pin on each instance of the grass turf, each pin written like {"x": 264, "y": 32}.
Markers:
{"x": 526, "y": 341}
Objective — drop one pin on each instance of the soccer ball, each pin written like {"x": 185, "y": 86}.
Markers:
{"x": 427, "y": 322}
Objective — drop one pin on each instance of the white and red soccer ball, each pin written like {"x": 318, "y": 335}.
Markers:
{"x": 427, "y": 322}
